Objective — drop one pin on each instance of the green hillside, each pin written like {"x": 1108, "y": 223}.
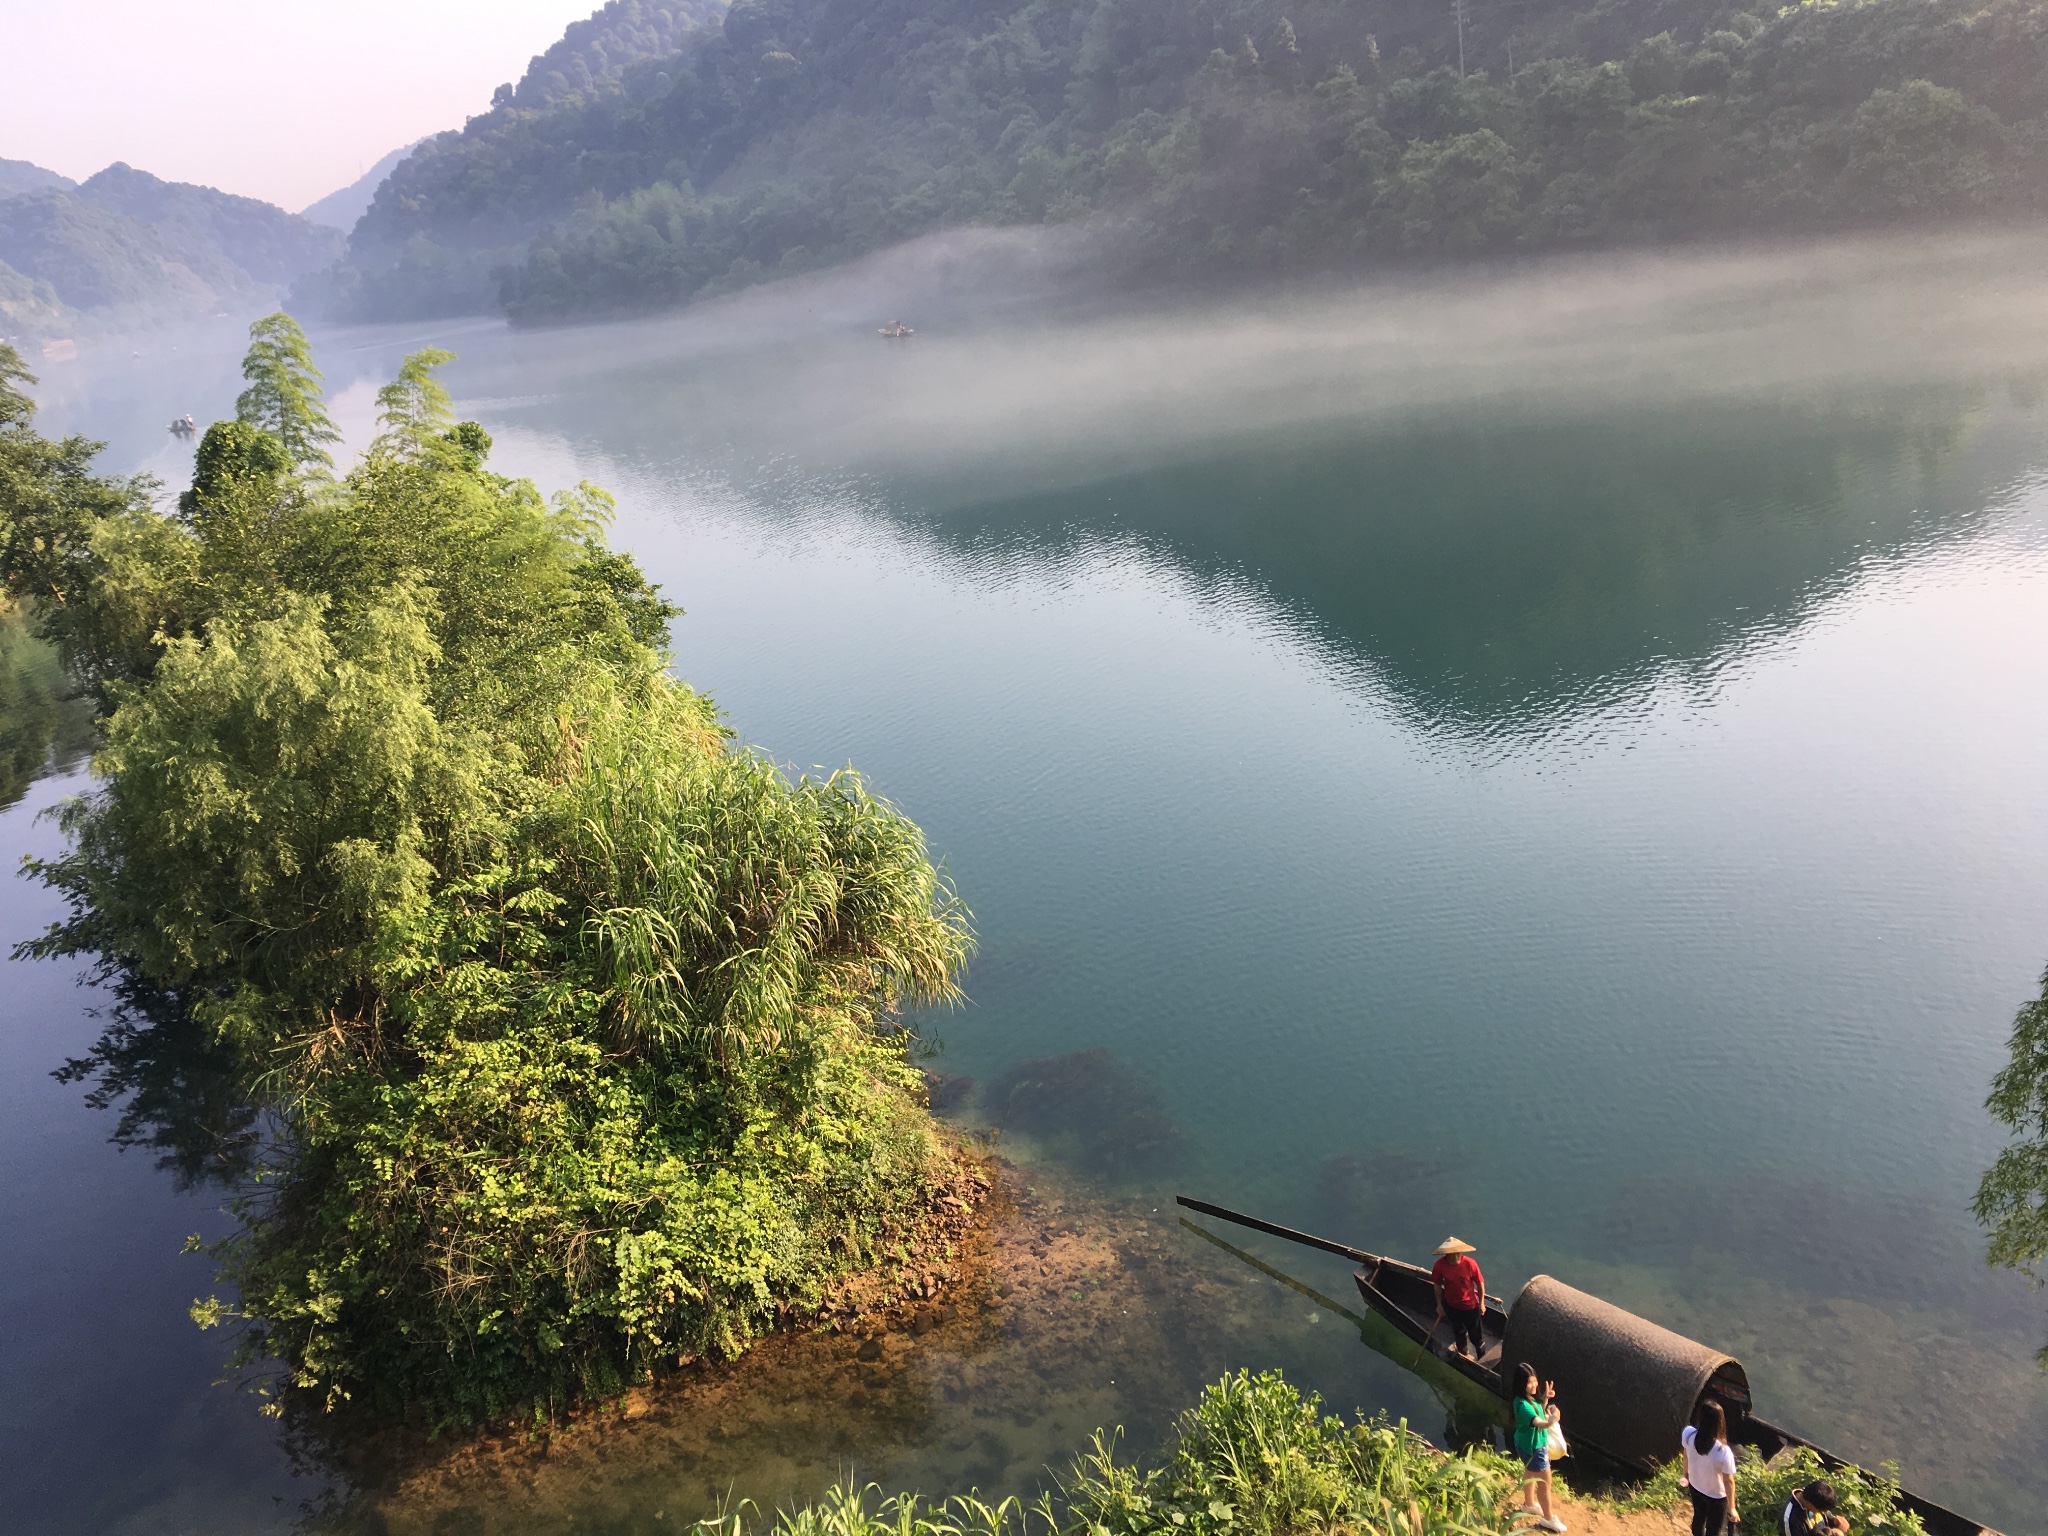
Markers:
{"x": 96, "y": 258}
{"x": 267, "y": 243}
{"x": 1215, "y": 135}
{"x": 26, "y": 176}
{"x": 128, "y": 245}
{"x": 28, "y": 306}
{"x": 594, "y": 52}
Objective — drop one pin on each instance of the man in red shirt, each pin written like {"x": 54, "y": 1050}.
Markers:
{"x": 1460, "y": 1295}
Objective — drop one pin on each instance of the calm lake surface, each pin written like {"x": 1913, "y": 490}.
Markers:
{"x": 1559, "y": 758}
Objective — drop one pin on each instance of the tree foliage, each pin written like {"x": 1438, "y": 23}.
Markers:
{"x": 1215, "y": 135}
{"x": 578, "y": 1027}
{"x": 284, "y": 397}
{"x": 2012, "y": 1198}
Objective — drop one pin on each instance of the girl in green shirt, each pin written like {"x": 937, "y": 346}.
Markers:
{"x": 1532, "y": 1443}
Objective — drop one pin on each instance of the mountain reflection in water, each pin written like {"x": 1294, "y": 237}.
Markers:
{"x": 1502, "y": 578}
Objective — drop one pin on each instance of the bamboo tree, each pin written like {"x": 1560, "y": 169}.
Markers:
{"x": 284, "y": 393}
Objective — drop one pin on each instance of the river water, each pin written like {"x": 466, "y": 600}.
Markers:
{"x": 1556, "y": 756}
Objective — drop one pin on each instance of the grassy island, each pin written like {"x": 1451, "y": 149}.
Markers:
{"x": 564, "y": 1030}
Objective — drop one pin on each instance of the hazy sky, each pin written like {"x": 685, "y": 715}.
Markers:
{"x": 285, "y": 100}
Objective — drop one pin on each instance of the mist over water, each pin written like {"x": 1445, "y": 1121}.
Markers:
{"x": 1552, "y": 755}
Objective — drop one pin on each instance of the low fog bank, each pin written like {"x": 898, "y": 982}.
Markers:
{"x": 1021, "y": 364}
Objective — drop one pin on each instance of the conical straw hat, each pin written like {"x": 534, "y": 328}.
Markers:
{"x": 1454, "y": 1245}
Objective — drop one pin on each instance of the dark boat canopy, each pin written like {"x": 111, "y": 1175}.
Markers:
{"x": 1626, "y": 1384}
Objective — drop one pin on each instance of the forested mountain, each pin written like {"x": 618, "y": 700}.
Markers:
{"x": 595, "y": 51}
{"x": 96, "y": 258}
{"x": 267, "y": 243}
{"x": 1218, "y": 134}
{"x": 126, "y": 241}
{"x": 26, "y": 176}
{"x": 28, "y": 306}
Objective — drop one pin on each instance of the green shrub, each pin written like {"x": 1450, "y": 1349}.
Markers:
{"x": 1869, "y": 1500}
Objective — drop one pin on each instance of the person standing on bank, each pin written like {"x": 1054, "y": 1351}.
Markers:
{"x": 1460, "y": 1294}
{"x": 1709, "y": 1470}
{"x": 1533, "y": 1420}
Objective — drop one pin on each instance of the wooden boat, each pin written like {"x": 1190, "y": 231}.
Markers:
{"x": 1404, "y": 1295}
{"x": 1401, "y": 1293}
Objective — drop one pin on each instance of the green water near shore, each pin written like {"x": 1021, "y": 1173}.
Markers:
{"x": 1577, "y": 795}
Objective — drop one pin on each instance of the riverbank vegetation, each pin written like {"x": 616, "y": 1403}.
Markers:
{"x": 1219, "y": 136}
{"x": 1253, "y": 1457}
{"x": 570, "y": 1029}
{"x": 1869, "y": 1501}
{"x": 1256, "y": 1457}
{"x": 2012, "y": 1197}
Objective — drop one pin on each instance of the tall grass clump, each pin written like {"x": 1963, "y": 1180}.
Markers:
{"x": 850, "y": 1509}
{"x": 1255, "y": 1457}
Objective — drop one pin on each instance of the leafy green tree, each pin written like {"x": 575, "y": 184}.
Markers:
{"x": 62, "y": 529}
{"x": 1921, "y": 148}
{"x": 1461, "y": 194}
{"x": 2012, "y": 1198}
{"x": 284, "y": 395}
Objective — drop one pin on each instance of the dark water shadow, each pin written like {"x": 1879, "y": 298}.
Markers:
{"x": 177, "y": 1090}
{"x": 1396, "y": 1201}
{"x": 1089, "y": 1109}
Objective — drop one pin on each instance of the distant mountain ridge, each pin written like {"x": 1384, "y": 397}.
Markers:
{"x": 130, "y": 245}
{"x": 340, "y": 210}
{"x": 1200, "y": 137}
{"x": 26, "y": 176}
{"x": 267, "y": 243}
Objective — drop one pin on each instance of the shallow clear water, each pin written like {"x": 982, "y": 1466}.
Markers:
{"x": 1571, "y": 779}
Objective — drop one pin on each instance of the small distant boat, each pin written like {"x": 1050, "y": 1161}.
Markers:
{"x": 184, "y": 426}
{"x": 896, "y": 330}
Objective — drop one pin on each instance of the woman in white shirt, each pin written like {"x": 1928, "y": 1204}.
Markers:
{"x": 1709, "y": 1469}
